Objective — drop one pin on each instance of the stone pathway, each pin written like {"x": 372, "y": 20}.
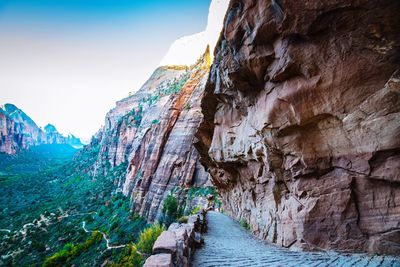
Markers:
{"x": 228, "y": 244}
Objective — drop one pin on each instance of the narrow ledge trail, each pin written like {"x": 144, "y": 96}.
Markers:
{"x": 228, "y": 244}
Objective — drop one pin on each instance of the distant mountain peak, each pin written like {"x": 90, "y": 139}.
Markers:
{"x": 10, "y": 108}
{"x": 19, "y": 132}
{"x": 50, "y": 128}
{"x": 17, "y": 114}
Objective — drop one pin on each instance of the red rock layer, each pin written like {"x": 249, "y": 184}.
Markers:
{"x": 152, "y": 132}
{"x": 301, "y": 130}
{"x": 166, "y": 159}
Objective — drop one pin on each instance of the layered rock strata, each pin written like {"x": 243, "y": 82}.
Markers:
{"x": 152, "y": 133}
{"x": 301, "y": 130}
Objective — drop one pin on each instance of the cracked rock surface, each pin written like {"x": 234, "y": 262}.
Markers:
{"x": 301, "y": 128}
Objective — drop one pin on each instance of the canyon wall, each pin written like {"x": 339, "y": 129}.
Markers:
{"x": 18, "y": 131}
{"x": 151, "y": 133}
{"x": 301, "y": 128}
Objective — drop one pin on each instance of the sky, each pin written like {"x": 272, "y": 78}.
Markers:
{"x": 66, "y": 62}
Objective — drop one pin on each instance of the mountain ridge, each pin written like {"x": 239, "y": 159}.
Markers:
{"x": 18, "y": 132}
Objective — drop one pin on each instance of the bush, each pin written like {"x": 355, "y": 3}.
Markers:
{"x": 70, "y": 251}
{"x": 170, "y": 210}
{"x": 183, "y": 219}
{"x": 58, "y": 258}
{"x": 130, "y": 258}
{"x": 195, "y": 210}
{"x": 148, "y": 237}
{"x": 202, "y": 192}
{"x": 244, "y": 224}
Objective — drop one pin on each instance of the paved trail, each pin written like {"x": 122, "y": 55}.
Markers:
{"x": 228, "y": 244}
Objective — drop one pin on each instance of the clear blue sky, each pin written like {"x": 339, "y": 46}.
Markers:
{"x": 67, "y": 62}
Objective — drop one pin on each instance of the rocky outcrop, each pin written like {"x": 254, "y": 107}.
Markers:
{"x": 165, "y": 158}
{"x": 18, "y": 131}
{"x": 151, "y": 133}
{"x": 53, "y": 136}
{"x": 176, "y": 246}
{"x": 133, "y": 116}
{"x": 301, "y": 130}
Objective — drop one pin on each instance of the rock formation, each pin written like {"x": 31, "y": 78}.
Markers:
{"x": 301, "y": 129}
{"x": 152, "y": 132}
{"x": 52, "y": 135}
{"x": 165, "y": 158}
{"x": 18, "y": 131}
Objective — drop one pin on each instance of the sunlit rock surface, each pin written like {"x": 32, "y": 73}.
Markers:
{"x": 152, "y": 132}
{"x": 301, "y": 130}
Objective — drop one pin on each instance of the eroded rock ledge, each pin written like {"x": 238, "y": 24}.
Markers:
{"x": 301, "y": 129}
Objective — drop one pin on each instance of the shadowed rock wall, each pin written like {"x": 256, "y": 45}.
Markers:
{"x": 301, "y": 130}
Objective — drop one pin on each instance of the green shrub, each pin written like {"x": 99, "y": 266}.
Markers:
{"x": 58, "y": 258}
{"x": 148, "y": 237}
{"x": 244, "y": 224}
{"x": 70, "y": 251}
{"x": 195, "y": 210}
{"x": 130, "y": 258}
{"x": 170, "y": 210}
{"x": 183, "y": 219}
{"x": 202, "y": 192}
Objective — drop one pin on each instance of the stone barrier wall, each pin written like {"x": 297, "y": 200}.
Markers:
{"x": 175, "y": 246}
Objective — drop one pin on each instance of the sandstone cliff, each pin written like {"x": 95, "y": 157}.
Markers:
{"x": 18, "y": 131}
{"x": 301, "y": 130}
{"x": 151, "y": 133}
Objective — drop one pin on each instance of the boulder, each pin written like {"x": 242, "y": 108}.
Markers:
{"x": 159, "y": 260}
{"x": 165, "y": 243}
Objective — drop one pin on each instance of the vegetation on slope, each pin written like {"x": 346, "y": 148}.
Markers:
{"x": 55, "y": 212}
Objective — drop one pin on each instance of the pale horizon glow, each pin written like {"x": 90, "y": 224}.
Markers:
{"x": 69, "y": 69}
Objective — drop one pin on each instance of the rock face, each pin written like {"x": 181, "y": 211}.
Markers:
{"x": 125, "y": 126}
{"x": 53, "y": 136}
{"x": 18, "y": 131}
{"x": 301, "y": 130}
{"x": 152, "y": 132}
{"x": 165, "y": 158}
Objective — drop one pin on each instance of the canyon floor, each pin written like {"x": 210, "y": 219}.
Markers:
{"x": 227, "y": 243}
